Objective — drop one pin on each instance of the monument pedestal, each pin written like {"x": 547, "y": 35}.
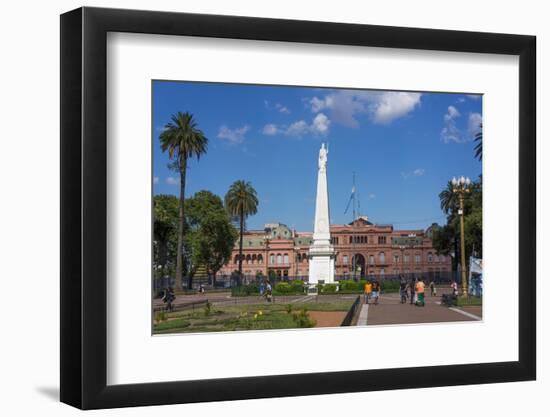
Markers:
{"x": 321, "y": 264}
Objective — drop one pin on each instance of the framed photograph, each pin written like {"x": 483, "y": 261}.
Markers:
{"x": 257, "y": 208}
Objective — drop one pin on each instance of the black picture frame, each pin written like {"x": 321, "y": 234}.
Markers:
{"x": 84, "y": 207}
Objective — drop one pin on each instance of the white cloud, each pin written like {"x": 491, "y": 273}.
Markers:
{"x": 233, "y": 135}
{"x": 393, "y": 105}
{"x": 381, "y": 107}
{"x": 418, "y": 172}
{"x": 270, "y": 129}
{"x": 474, "y": 124}
{"x": 474, "y": 96}
{"x": 452, "y": 113}
{"x": 320, "y": 125}
{"x": 155, "y": 180}
{"x": 450, "y": 132}
{"x": 298, "y": 128}
{"x": 172, "y": 181}
{"x": 372, "y": 196}
{"x": 282, "y": 109}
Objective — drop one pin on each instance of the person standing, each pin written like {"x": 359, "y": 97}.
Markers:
{"x": 433, "y": 290}
{"x": 268, "y": 292}
{"x": 375, "y": 291}
{"x": 454, "y": 288}
{"x": 420, "y": 292}
{"x": 368, "y": 291}
{"x": 412, "y": 284}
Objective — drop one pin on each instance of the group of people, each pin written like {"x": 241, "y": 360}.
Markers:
{"x": 413, "y": 289}
{"x": 372, "y": 291}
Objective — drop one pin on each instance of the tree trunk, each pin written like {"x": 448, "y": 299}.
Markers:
{"x": 179, "y": 255}
{"x": 241, "y": 247}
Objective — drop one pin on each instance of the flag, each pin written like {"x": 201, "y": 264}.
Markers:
{"x": 350, "y": 198}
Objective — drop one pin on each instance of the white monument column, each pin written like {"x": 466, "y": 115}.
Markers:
{"x": 321, "y": 252}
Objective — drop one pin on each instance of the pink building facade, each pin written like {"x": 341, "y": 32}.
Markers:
{"x": 363, "y": 249}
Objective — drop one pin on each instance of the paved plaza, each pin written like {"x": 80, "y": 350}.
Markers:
{"x": 391, "y": 311}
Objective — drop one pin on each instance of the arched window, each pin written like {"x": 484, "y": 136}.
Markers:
{"x": 371, "y": 259}
{"x": 248, "y": 259}
{"x": 430, "y": 257}
{"x": 417, "y": 258}
{"x": 382, "y": 257}
{"x": 236, "y": 259}
{"x": 406, "y": 258}
{"x": 395, "y": 258}
{"x": 285, "y": 258}
{"x": 271, "y": 259}
{"x": 260, "y": 259}
{"x": 345, "y": 259}
{"x": 279, "y": 258}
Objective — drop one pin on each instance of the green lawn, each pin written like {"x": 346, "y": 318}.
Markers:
{"x": 469, "y": 301}
{"x": 246, "y": 317}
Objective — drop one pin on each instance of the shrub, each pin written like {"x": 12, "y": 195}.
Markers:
{"x": 390, "y": 285}
{"x": 245, "y": 290}
{"x": 207, "y": 308}
{"x": 348, "y": 285}
{"x": 283, "y": 288}
{"x": 329, "y": 288}
{"x": 297, "y": 285}
{"x": 302, "y": 319}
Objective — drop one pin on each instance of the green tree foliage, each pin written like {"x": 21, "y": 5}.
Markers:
{"x": 182, "y": 139}
{"x": 211, "y": 236}
{"x": 165, "y": 227}
{"x": 446, "y": 238}
{"x": 241, "y": 200}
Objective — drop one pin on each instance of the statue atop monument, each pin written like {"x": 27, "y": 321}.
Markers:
{"x": 323, "y": 152}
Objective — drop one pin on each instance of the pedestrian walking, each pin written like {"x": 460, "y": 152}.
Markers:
{"x": 420, "y": 292}
{"x": 168, "y": 298}
{"x": 268, "y": 292}
{"x": 403, "y": 290}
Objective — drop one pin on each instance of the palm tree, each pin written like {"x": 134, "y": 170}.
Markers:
{"x": 479, "y": 145}
{"x": 241, "y": 200}
{"x": 183, "y": 140}
{"x": 448, "y": 199}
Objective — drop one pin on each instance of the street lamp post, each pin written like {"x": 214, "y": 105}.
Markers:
{"x": 461, "y": 187}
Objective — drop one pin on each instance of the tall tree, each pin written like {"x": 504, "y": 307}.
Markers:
{"x": 165, "y": 226}
{"x": 478, "y": 149}
{"x": 448, "y": 199}
{"x": 183, "y": 140}
{"x": 241, "y": 200}
{"x": 211, "y": 235}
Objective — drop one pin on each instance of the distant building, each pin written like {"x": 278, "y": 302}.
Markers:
{"x": 373, "y": 249}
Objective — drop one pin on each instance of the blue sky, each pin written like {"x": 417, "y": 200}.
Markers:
{"x": 403, "y": 147}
